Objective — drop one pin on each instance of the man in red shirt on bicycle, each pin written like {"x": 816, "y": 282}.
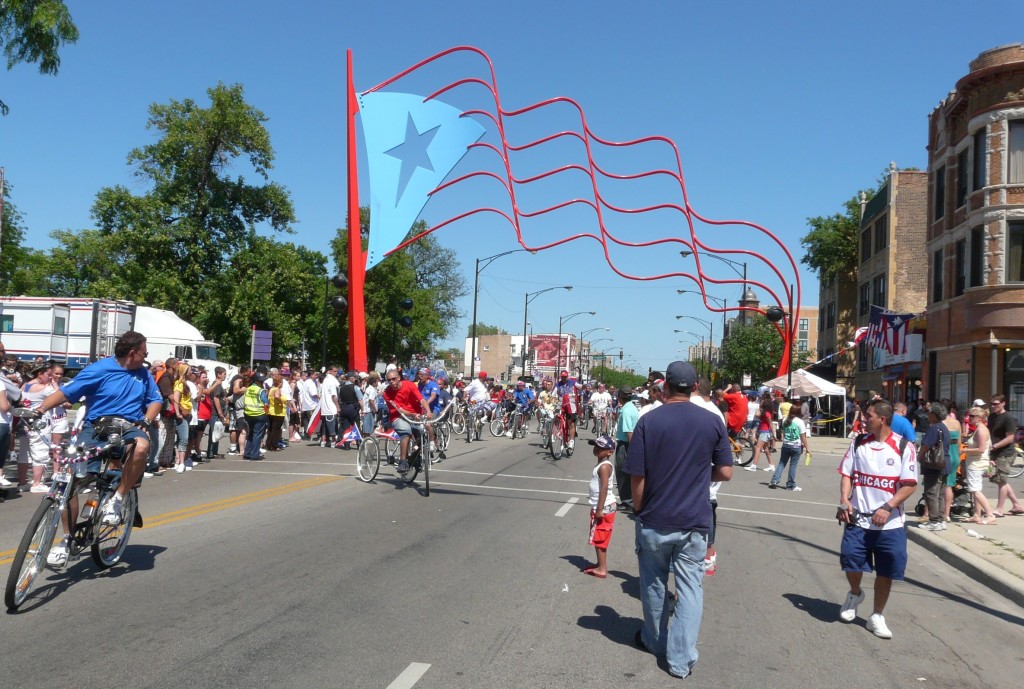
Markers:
{"x": 737, "y": 415}
{"x": 567, "y": 394}
{"x": 404, "y": 395}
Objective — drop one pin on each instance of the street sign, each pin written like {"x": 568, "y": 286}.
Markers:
{"x": 262, "y": 341}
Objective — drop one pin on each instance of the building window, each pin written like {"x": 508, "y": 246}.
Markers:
{"x": 977, "y": 256}
{"x": 1016, "y": 171}
{"x": 7, "y": 324}
{"x": 961, "y": 177}
{"x": 59, "y": 325}
{"x": 801, "y": 345}
{"x": 1015, "y": 253}
{"x": 937, "y": 276}
{"x": 487, "y": 348}
{"x": 865, "y": 299}
{"x": 862, "y": 357}
{"x": 804, "y": 324}
{"x": 979, "y": 158}
{"x": 865, "y": 244}
{"x": 831, "y": 315}
{"x": 821, "y": 319}
{"x": 940, "y": 193}
{"x": 960, "y": 268}
{"x": 881, "y": 233}
{"x": 878, "y": 292}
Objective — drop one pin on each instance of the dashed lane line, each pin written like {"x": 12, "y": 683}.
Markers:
{"x": 564, "y": 509}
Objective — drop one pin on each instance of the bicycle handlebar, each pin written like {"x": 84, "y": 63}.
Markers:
{"x": 422, "y": 421}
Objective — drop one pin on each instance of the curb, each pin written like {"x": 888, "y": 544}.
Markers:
{"x": 970, "y": 564}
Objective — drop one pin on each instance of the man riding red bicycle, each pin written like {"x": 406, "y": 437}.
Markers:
{"x": 568, "y": 393}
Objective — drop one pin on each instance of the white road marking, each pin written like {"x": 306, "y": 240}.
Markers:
{"x": 564, "y": 509}
{"x": 775, "y": 514}
{"x": 525, "y": 490}
{"x": 265, "y": 473}
{"x": 410, "y": 676}
{"x": 772, "y": 497}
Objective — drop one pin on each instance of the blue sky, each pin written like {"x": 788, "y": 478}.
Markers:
{"x": 781, "y": 111}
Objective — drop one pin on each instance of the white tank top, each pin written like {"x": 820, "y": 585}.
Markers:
{"x": 595, "y": 487}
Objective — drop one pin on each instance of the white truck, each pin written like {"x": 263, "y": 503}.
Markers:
{"x": 79, "y": 331}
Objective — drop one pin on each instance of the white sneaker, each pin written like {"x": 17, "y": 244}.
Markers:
{"x": 750, "y": 467}
{"x": 931, "y": 526}
{"x": 58, "y": 556}
{"x": 770, "y": 467}
{"x": 509, "y": 434}
{"x": 4, "y": 483}
{"x": 39, "y": 488}
{"x": 876, "y": 625}
{"x": 796, "y": 489}
{"x": 110, "y": 513}
{"x": 179, "y": 468}
{"x": 188, "y": 467}
{"x": 848, "y": 613}
{"x": 233, "y": 450}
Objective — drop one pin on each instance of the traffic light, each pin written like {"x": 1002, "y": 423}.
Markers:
{"x": 405, "y": 321}
{"x": 338, "y": 302}
{"x": 620, "y": 355}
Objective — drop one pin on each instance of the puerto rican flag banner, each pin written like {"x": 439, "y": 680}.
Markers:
{"x": 352, "y": 435}
{"x": 314, "y": 423}
{"x": 888, "y": 330}
{"x": 382, "y": 433}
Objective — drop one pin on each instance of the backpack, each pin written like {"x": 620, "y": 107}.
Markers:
{"x": 936, "y": 457}
{"x": 862, "y": 438}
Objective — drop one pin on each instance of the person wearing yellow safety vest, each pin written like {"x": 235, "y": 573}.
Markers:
{"x": 255, "y": 411}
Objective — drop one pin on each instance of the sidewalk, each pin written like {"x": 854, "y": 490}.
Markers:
{"x": 991, "y": 555}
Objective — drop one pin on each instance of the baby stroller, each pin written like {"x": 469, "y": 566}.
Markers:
{"x": 963, "y": 501}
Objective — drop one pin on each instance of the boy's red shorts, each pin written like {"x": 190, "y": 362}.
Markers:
{"x": 601, "y": 529}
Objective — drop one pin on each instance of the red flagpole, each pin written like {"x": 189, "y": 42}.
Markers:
{"x": 356, "y": 257}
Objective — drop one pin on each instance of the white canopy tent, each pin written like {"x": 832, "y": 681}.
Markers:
{"x": 806, "y": 384}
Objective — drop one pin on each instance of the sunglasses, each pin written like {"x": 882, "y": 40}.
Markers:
{"x": 392, "y": 380}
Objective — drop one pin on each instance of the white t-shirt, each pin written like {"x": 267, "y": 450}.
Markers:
{"x": 193, "y": 391}
{"x": 328, "y": 391}
{"x": 369, "y": 399}
{"x": 601, "y": 400}
{"x": 877, "y": 471}
{"x": 476, "y": 392}
{"x": 653, "y": 405}
{"x": 712, "y": 407}
{"x": 309, "y": 395}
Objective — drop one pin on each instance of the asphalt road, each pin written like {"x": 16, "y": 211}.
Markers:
{"x": 290, "y": 572}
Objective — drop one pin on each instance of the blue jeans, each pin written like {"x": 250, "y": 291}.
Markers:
{"x": 659, "y": 552}
{"x": 790, "y": 456}
{"x": 257, "y": 427}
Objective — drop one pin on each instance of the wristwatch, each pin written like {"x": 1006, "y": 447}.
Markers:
{"x": 885, "y": 506}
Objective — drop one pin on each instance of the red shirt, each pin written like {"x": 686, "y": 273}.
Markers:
{"x": 497, "y": 396}
{"x": 407, "y": 398}
{"x": 737, "y": 415}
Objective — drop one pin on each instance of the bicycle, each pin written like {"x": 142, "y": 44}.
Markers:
{"x": 601, "y": 425}
{"x": 72, "y": 474}
{"x": 547, "y": 420}
{"x": 458, "y": 421}
{"x": 475, "y": 416}
{"x": 420, "y": 455}
{"x": 501, "y": 422}
{"x": 559, "y": 443}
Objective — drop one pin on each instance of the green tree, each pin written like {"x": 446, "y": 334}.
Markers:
{"x": 32, "y": 31}
{"x": 832, "y": 242}
{"x": 424, "y": 272}
{"x": 484, "y": 329}
{"x": 755, "y": 349}
{"x": 19, "y": 265}
{"x": 615, "y": 378}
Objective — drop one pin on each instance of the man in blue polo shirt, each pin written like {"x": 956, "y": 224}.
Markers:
{"x": 676, "y": 451}
{"x": 115, "y": 386}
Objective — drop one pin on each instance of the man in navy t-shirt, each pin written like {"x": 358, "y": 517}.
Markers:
{"x": 675, "y": 453}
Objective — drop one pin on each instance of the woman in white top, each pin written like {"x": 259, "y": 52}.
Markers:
{"x": 978, "y": 463}
{"x": 794, "y": 439}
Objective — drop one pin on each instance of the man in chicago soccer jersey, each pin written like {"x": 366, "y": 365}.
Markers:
{"x": 879, "y": 473}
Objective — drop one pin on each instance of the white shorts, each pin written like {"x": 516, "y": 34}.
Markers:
{"x": 33, "y": 448}
{"x": 974, "y": 480}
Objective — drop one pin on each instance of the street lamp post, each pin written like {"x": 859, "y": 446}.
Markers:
{"x": 530, "y": 296}
{"x": 718, "y": 300}
{"x": 711, "y": 329}
{"x": 732, "y": 264}
{"x": 476, "y": 293}
{"x": 590, "y": 355}
{"x": 697, "y": 340}
{"x": 582, "y": 335}
{"x": 562, "y": 320}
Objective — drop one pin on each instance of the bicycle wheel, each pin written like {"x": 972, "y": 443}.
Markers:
{"x": 497, "y": 425}
{"x": 30, "y": 559}
{"x": 425, "y": 460}
{"x": 444, "y": 436}
{"x": 545, "y": 435}
{"x": 368, "y": 460}
{"x": 1017, "y": 466}
{"x": 112, "y": 540}
{"x": 459, "y": 423}
{"x": 557, "y": 439}
{"x": 742, "y": 447}
{"x": 391, "y": 450}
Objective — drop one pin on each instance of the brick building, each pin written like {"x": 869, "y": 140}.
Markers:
{"x": 837, "y": 323}
{"x": 975, "y": 244}
{"x": 892, "y": 273}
